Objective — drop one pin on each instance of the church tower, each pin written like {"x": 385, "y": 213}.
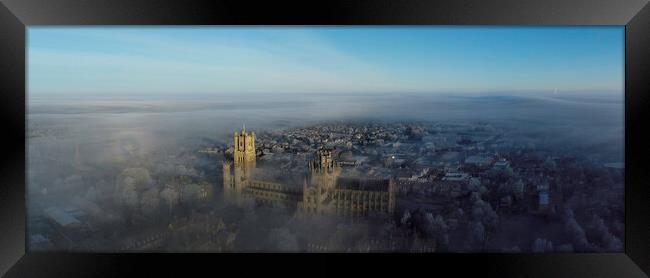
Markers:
{"x": 236, "y": 177}
{"x": 244, "y": 149}
{"x": 323, "y": 172}
{"x": 323, "y": 169}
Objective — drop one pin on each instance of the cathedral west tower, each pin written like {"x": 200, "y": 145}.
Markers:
{"x": 244, "y": 157}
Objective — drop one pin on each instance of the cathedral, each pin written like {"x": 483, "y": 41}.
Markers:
{"x": 323, "y": 191}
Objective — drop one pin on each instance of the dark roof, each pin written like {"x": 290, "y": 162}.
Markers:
{"x": 362, "y": 184}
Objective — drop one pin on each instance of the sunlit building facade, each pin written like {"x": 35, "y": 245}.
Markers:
{"x": 324, "y": 190}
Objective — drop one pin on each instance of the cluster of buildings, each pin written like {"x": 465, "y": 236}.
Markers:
{"x": 393, "y": 159}
{"x": 387, "y": 162}
{"x": 355, "y": 171}
{"x": 323, "y": 189}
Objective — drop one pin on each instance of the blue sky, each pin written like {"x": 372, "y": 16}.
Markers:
{"x": 223, "y": 60}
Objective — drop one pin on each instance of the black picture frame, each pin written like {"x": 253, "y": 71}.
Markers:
{"x": 16, "y": 15}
